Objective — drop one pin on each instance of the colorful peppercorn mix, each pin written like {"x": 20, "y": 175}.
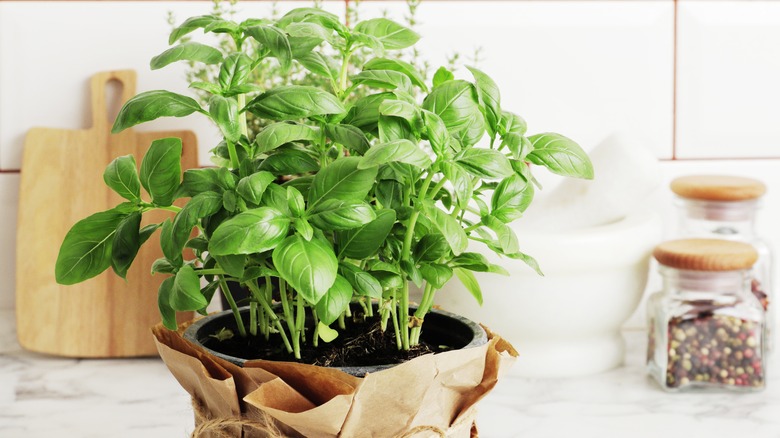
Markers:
{"x": 715, "y": 349}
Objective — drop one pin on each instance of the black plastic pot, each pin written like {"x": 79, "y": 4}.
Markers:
{"x": 440, "y": 328}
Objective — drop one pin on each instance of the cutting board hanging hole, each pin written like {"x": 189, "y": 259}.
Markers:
{"x": 113, "y": 99}
{"x": 109, "y": 91}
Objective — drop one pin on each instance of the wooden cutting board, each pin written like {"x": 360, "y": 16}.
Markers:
{"x": 61, "y": 183}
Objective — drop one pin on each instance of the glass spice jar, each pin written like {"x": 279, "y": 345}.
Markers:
{"x": 724, "y": 207}
{"x": 706, "y": 329}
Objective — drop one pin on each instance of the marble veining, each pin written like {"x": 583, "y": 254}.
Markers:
{"x": 42, "y": 396}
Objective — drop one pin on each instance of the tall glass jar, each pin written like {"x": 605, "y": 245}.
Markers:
{"x": 724, "y": 207}
{"x": 706, "y": 328}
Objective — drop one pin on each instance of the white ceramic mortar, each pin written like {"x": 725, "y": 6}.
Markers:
{"x": 568, "y": 322}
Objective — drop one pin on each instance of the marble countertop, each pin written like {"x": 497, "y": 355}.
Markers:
{"x": 53, "y": 397}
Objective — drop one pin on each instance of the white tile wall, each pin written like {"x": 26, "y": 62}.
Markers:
{"x": 582, "y": 68}
{"x": 49, "y": 50}
{"x": 728, "y": 70}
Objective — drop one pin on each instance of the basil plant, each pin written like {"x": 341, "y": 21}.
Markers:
{"x": 331, "y": 204}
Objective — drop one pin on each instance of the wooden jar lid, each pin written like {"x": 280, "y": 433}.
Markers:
{"x": 718, "y": 188}
{"x": 706, "y": 255}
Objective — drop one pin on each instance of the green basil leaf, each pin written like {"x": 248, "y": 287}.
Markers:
{"x": 126, "y": 243}
{"x": 232, "y": 264}
{"x": 326, "y": 333}
{"x": 171, "y": 251}
{"x": 431, "y": 247}
{"x": 317, "y": 63}
{"x": 441, "y": 76}
{"x": 363, "y": 242}
{"x": 310, "y": 267}
{"x": 222, "y": 26}
{"x": 350, "y": 136}
{"x": 560, "y": 155}
{"x": 224, "y": 112}
{"x": 510, "y": 199}
{"x": 335, "y": 301}
{"x": 471, "y": 283}
{"x": 383, "y": 79}
{"x": 189, "y": 51}
{"x": 457, "y": 105}
{"x": 295, "y": 201}
{"x": 412, "y": 272}
{"x": 392, "y": 35}
{"x": 485, "y": 163}
{"x": 252, "y": 187}
{"x": 234, "y": 71}
{"x": 161, "y": 170}
{"x": 275, "y": 196}
{"x": 461, "y": 183}
{"x": 186, "y": 293}
{"x": 388, "y": 280}
{"x": 489, "y": 98}
{"x": 190, "y": 25}
{"x": 436, "y": 274}
{"x": 230, "y": 201}
{"x": 86, "y": 250}
{"x": 277, "y": 134}
{"x": 402, "y": 151}
{"x": 196, "y": 181}
{"x": 448, "y": 227}
{"x": 507, "y": 239}
{"x": 252, "y": 231}
{"x": 314, "y": 15}
{"x": 121, "y": 175}
{"x": 336, "y": 214}
{"x": 363, "y": 283}
{"x": 394, "y": 129}
{"x": 342, "y": 179}
{"x": 201, "y": 205}
{"x": 303, "y": 228}
{"x": 301, "y": 183}
{"x": 292, "y": 102}
{"x": 511, "y": 123}
{"x": 437, "y": 134}
{"x": 389, "y": 193}
{"x": 163, "y": 266}
{"x": 528, "y": 260}
{"x": 364, "y": 114}
{"x": 206, "y": 86}
{"x": 152, "y": 105}
{"x": 309, "y": 30}
{"x": 198, "y": 243}
{"x": 275, "y": 41}
{"x": 400, "y": 66}
{"x": 164, "y": 295}
{"x": 473, "y": 261}
{"x": 402, "y": 109}
{"x": 290, "y": 162}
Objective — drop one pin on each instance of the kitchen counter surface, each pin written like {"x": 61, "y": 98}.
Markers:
{"x": 43, "y": 396}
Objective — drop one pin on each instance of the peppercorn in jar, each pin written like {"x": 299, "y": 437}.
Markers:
{"x": 706, "y": 327}
{"x": 725, "y": 207}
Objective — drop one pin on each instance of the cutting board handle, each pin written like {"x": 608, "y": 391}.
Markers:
{"x": 100, "y": 81}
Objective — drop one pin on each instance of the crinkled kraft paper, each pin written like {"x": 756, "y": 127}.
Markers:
{"x": 431, "y": 392}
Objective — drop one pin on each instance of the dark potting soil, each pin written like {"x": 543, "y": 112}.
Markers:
{"x": 362, "y": 343}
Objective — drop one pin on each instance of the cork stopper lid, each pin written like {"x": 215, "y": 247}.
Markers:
{"x": 718, "y": 188}
{"x": 706, "y": 255}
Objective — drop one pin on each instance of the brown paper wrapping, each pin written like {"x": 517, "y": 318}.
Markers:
{"x": 429, "y": 396}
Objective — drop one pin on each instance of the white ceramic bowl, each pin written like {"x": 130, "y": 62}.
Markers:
{"x": 568, "y": 322}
